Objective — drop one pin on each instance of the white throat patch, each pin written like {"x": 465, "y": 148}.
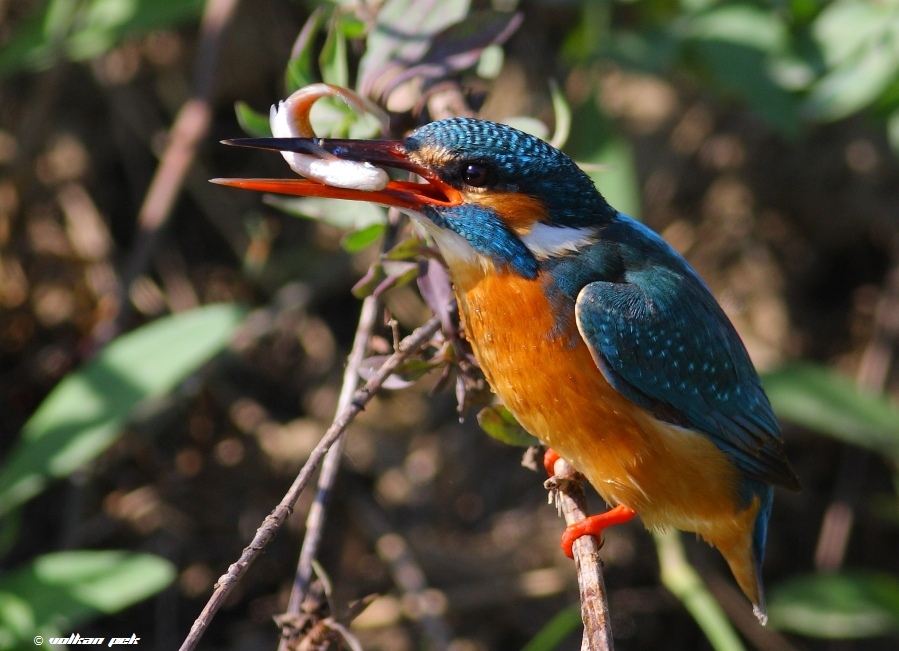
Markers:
{"x": 545, "y": 241}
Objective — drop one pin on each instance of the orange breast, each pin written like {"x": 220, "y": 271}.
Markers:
{"x": 547, "y": 377}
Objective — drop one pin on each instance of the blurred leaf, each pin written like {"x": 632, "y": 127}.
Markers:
{"x": 752, "y": 26}
{"x": 332, "y": 60}
{"x": 437, "y": 291}
{"x": 409, "y": 249}
{"x": 402, "y": 32}
{"x": 299, "y": 71}
{"x": 737, "y": 44}
{"x": 562, "y": 116}
{"x": 490, "y": 63}
{"x": 84, "y": 414}
{"x": 58, "y": 591}
{"x": 820, "y": 399}
{"x": 594, "y": 141}
{"x": 893, "y": 131}
{"x": 855, "y": 85}
{"x": 529, "y": 125}
{"x": 846, "y": 28}
{"x": 837, "y": 606}
{"x": 253, "y": 123}
{"x": 563, "y": 624}
{"x": 397, "y": 275}
{"x": 405, "y": 376}
{"x": 500, "y": 424}
{"x": 361, "y": 239}
{"x": 335, "y": 212}
{"x": 83, "y": 30}
{"x": 366, "y": 285}
{"x": 684, "y": 583}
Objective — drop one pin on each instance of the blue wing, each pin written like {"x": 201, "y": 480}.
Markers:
{"x": 660, "y": 339}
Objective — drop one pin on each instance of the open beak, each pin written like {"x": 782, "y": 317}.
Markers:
{"x": 383, "y": 153}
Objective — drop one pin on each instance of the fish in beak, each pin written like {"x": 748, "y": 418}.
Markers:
{"x": 407, "y": 195}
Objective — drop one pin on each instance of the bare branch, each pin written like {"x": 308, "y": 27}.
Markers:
{"x": 566, "y": 489}
{"x": 282, "y": 511}
{"x": 190, "y": 127}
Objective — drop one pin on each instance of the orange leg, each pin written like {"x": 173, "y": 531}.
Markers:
{"x": 549, "y": 461}
{"x": 594, "y": 526}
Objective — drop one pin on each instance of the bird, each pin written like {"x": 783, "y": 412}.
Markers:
{"x": 595, "y": 333}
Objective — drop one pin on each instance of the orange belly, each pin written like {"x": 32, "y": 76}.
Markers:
{"x": 548, "y": 379}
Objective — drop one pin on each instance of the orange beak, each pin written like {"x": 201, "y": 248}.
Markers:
{"x": 383, "y": 153}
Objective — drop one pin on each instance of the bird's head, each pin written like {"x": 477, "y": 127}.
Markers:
{"x": 491, "y": 196}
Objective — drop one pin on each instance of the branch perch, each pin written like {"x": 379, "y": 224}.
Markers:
{"x": 282, "y": 511}
{"x": 566, "y": 489}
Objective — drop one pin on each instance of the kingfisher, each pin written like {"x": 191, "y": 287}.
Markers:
{"x": 595, "y": 333}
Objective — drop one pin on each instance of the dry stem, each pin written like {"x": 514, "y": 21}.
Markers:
{"x": 566, "y": 488}
{"x": 279, "y": 515}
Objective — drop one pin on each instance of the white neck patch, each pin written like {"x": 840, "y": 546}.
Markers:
{"x": 545, "y": 241}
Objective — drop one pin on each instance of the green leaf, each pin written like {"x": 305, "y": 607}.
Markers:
{"x": 253, "y": 123}
{"x": 684, "y": 583}
{"x": 332, "y": 60}
{"x": 755, "y": 27}
{"x": 84, "y": 414}
{"x": 845, "y": 29}
{"x": 837, "y": 606}
{"x": 361, "y": 239}
{"x": 852, "y": 87}
{"x": 500, "y": 424}
{"x": 556, "y": 630}
{"x": 816, "y": 397}
{"x": 56, "y": 592}
{"x": 299, "y": 71}
{"x": 81, "y": 30}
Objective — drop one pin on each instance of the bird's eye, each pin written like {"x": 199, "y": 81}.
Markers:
{"x": 475, "y": 175}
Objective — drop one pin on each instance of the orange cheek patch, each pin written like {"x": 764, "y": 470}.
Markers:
{"x": 519, "y": 211}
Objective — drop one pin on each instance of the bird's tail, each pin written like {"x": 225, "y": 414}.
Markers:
{"x": 743, "y": 547}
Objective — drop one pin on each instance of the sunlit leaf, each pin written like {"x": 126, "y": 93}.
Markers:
{"x": 500, "y": 424}
{"x": 854, "y": 86}
{"x": 845, "y": 29}
{"x": 823, "y": 400}
{"x": 56, "y": 592}
{"x": 837, "y": 606}
{"x": 84, "y": 414}
{"x": 362, "y": 238}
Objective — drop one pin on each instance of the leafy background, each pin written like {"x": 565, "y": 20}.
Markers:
{"x": 160, "y": 388}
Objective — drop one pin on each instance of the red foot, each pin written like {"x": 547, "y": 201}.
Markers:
{"x": 549, "y": 461}
{"x": 594, "y": 526}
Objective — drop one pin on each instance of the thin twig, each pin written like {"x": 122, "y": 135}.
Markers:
{"x": 566, "y": 488}
{"x": 872, "y": 375}
{"x": 282, "y": 511}
{"x": 315, "y": 519}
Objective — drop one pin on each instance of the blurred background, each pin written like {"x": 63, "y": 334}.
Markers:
{"x": 172, "y": 350}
